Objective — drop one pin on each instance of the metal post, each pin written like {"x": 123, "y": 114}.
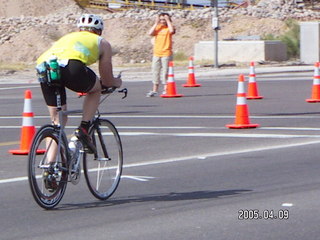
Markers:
{"x": 215, "y": 26}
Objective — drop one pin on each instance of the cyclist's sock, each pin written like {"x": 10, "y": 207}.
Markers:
{"x": 85, "y": 125}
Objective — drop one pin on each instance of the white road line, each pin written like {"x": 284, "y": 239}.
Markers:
{"x": 200, "y": 134}
{"x": 183, "y": 116}
{"x": 198, "y": 157}
{"x": 186, "y": 127}
{"x": 233, "y": 135}
{"x": 23, "y": 87}
{"x": 291, "y": 128}
{"x": 10, "y": 180}
{"x": 137, "y": 178}
{"x": 219, "y": 154}
{"x": 287, "y": 204}
{"x": 135, "y": 127}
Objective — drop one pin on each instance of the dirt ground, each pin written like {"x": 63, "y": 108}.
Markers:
{"x": 128, "y": 37}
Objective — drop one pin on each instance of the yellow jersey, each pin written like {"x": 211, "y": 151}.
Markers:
{"x": 83, "y": 46}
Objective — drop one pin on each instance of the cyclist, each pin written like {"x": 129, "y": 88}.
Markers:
{"x": 75, "y": 51}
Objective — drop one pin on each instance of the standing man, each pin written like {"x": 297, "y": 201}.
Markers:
{"x": 162, "y": 31}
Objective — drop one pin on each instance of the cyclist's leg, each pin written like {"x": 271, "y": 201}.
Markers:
{"x": 54, "y": 115}
{"x": 52, "y": 151}
{"x": 51, "y": 101}
{"x": 91, "y": 101}
{"x": 80, "y": 78}
{"x": 50, "y": 98}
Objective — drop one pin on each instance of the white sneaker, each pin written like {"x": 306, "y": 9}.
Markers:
{"x": 152, "y": 94}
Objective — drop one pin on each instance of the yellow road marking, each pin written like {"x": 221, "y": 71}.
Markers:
{"x": 8, "y": 143}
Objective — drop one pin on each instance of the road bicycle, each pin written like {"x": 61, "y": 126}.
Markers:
{"x": 102, "y": 169}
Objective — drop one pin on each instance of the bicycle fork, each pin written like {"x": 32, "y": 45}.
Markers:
{"x": 105, "y": 156}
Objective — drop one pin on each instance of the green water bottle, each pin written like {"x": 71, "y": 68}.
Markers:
{"x": 54, "y": 69}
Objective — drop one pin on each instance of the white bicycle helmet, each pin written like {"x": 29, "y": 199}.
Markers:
{"x": 90, "y": 21}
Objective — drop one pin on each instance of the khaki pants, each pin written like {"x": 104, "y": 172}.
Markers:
{"x": 160, "y": 69}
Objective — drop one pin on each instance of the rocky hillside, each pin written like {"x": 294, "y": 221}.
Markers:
{"x": 28, "y": 27}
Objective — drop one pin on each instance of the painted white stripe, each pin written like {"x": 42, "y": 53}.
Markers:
{"x": 193, "y": 134}
{"x": 137, "y": 133}
{"x": 161, "y": 127}
{"x": 219, "y": 154}
{"x": 10, "y": 180}
{"x": 23, "y": 87}
{"x": 137, "y": 178}
{"x": 231, "y": 135}
{"x": 291, "y": 128}
{"x": 187, "y": 158}
{"x": 186, "y": 127}
{"x": 287, "y": 204}
{"x": 180, "y": 116}
{"x": 134, "y": 127}
{"x": 207, "y": 116}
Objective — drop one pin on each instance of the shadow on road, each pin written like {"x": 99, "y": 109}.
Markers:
{"x": 173, "y": 196}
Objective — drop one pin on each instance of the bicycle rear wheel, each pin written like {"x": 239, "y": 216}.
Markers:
{"x": 103, "y": 169}
{"x": 38, "y": 166}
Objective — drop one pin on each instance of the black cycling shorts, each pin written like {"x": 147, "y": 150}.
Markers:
{"x": 76, "y": 76}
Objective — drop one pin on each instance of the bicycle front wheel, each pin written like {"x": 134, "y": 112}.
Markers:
{"x": 47, "y": 172}
{"x": 103, "y": 169}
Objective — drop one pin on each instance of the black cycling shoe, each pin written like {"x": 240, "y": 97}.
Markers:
{"x": 86, "y": 140}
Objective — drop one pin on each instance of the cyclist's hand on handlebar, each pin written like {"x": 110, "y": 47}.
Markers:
{"x": 105, "y": 89}
{"x": 117, "y": 82}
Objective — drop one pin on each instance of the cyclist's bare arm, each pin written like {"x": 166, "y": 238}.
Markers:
{"x": 105, "y": 66}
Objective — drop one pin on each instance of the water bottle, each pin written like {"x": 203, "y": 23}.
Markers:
{"x": 73, "y": 144}
{"x": 42, "y": 72}
{"x": 54, "y": 69}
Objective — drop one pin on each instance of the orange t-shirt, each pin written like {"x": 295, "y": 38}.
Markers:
{"x": 163, "y": 42}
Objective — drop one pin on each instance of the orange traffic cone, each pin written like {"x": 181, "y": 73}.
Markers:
{"x": 171, "y": 85}
{"x": 191, "y": 77}
{"x": 252, "y": 85}
{"x": 242, "y": 112}
{"x": 28, "y": 129}
{"x": 315, "y": 95}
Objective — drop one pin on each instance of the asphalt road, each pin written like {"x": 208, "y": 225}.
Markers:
{"x": 186, "y": 175}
